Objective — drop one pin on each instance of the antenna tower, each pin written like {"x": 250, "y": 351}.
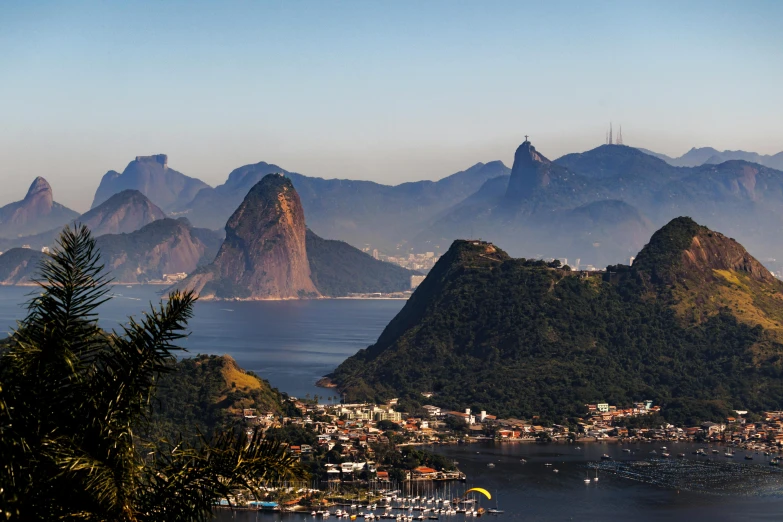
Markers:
{"x": 610, "y": 133}
{"x": 620, "y": 136}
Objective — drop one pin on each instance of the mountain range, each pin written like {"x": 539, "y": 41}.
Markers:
{"x": 695, "y": 324}
{"x": 707, "y": 155}
{"x": 591, "y": 208}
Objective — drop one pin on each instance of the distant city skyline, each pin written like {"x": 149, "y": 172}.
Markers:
{"x": 387, "y": 92}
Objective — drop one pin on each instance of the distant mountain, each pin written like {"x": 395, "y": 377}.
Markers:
{"x": 358, "y": 212}
{"x": 165, "y": 246}
{"x": 36, "y": 213}
{"x": 19, "y": 265}
{"x": 124, "y": 212}
{"x": 264, "y": 254}
{"x": 151, "y": 176}
{"x": 269, "y": 254}
{"x": 549, "y": 209}
{"x": 707, "y": 155}
{"x": 338, "y": 269}
{"x": 694, "y": 325}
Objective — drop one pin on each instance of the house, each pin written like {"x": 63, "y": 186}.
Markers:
{"x": 423, "y": 473}
{"x": 466, "y": 417}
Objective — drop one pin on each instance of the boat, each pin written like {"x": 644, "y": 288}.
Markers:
{"x": 774, "y": 462}
{"x": 626, "y": 450}
{"x": 605, "y": 457}
{"x": 547, "y": 464}
{"x": 681, "y": 455}
{"x": 595, "y": 479}
{"x": 522, "y": 461}
{"x": 587, "y": 477}
{"x": 748, "y": 457}
{"x": 715, "y": 452}
{"x": 490, "y": 465}
{"x": 728, "y": 454}
{"x": 556, "y": 470}
{"x": 665, "y": 455}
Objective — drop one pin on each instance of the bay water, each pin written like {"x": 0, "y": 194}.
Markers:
{"x": 293, "y": 343}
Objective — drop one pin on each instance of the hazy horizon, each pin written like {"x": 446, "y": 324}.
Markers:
{"x": 384, "y": 92}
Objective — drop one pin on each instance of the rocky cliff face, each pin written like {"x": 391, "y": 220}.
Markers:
{"x": 165, "y": 246}
{"x": 684, "y": 250}
{"x": 264, "y": 254}
{"x": 35, "y": 213}
{"x": 124, "y": 212}
{"x": 532, "y": 172}
{"x": 151, "y": 176}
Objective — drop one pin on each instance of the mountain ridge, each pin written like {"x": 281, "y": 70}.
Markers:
{"x": 697, "y": 333}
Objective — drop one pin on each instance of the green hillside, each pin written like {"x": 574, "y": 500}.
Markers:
{"x": 691, "y": 326}
{"x": 208, "y": 392}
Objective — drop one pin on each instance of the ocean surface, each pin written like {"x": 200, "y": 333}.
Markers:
{"x": 293, "y": 343}
{"x": 636, "y": 486}
{"x": 290, "y": 343}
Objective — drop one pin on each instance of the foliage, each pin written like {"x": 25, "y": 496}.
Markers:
{"x": 73, "y": 400}
{"x": 201, "y": 395}
{"x": 338, "y": 269}
{"x": 517, "y": 339}
{"x": 661, "y": 256}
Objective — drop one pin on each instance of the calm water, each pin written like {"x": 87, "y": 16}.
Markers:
{"x": 290, "y": 343}
{"x": 710, "y": 488}
{"x": 294, "y": 343}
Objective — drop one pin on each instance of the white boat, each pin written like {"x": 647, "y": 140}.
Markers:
{"x": 595, "y": 479}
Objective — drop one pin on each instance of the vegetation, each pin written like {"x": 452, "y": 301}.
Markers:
{"x": 74, "y": 401}
{"x": 519, "y": 339}
{"x": 338, "y": 269}
{"x": 208, "y": 393}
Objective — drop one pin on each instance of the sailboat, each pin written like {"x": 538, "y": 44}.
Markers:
{"x": 587, "y": 477}
{"x": 497, "y": 510}
{"x": 595, "y": 479}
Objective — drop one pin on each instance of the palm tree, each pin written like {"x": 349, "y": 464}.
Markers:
{"x": 74, "y": 400}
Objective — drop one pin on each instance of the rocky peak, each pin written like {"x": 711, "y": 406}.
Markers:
{"x": 531, "y": 170}
{"x": 264, "y": 254}
{"x": 161, "y": 159}
{"x": 40, "y": 188}
{"x": 685, "y": 250}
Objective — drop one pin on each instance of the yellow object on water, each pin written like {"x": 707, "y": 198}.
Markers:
{"x": 480, "y": 490}
{"x": 353, "y": 517}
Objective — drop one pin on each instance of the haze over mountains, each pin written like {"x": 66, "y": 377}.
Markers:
{"x": 150, "y": 175}
{"x": 597, "y": 207}
{"x": 708, "y": 155}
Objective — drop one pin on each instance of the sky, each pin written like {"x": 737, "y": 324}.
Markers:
{"x": 388, "y": 91}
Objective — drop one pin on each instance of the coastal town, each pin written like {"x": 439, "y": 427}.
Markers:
{"x": 351, "y": 432}
{"x": 373, "y": 457}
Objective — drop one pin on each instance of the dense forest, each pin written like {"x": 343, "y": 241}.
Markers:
{"x": 208, "y": 392}
{"x": 520, "y": 338}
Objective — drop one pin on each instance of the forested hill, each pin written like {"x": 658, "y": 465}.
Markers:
{"x": 206, "y": 392}
{"x": 693, "y": 326}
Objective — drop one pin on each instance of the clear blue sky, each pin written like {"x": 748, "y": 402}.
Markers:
{"x": 389, "y": 91}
